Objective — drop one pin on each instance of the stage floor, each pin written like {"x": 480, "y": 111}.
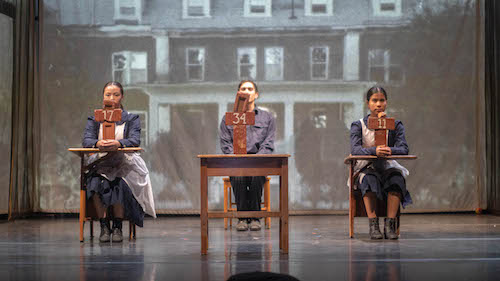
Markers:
{"x": 431, "y": 247}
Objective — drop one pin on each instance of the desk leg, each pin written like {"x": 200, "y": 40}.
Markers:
{"x": 204, "y": 206}
{"x": 281, "y": 212}
{"x": 284, "y": 206}
{"x": 83, "y": 198}
{"x": 352, "y": 203}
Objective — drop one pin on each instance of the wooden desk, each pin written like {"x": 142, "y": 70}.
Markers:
{"x": 81, "y": 152}
{"x": 238, "y": 165}
{"x": 351, "y": 161}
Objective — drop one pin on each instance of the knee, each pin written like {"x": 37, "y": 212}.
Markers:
{"x": 369, "y": 194}
{"x": 396, "y": 194}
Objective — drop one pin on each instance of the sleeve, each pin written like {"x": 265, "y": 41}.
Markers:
{"x": 400, "y": 145}
{"x": 357, "y": 141}
{"x": 134, "y": 133}
{"x": 267, "y": 146}
{"x": 226, "y": 139}
{"x": 90, "y": 135}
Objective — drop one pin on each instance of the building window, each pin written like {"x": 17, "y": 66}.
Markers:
{"x": 318, "y": 7}
{"x": 128, "y": 10}
{"x": 143, "y": 116}
{"x": 319, "y": 118}
{"x": 130, "y": 67}
{"x": 195, "y": 8}
{"x": 274, "y": 63}
{"x": 319, "y": 63}
{"x": 247, "y": 63}
{"x": 257, "y": 8}
{"x": 386, "y": 8}
{"x": 195, "y": 64}
{"x": 380, "y": 67}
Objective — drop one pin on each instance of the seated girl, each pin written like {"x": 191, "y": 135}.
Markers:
{"x": 382, "y": 179}
{"x": 117, "y": 183}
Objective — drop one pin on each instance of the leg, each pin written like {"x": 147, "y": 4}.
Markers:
{"x": 393, "y": 201}
{"x": 370, "y": 187}
{"x": 99, "y": 206}
{"x": 267, "y": 200}
{"x": 118, "y": 214}
{"x": 204, "y": 205}
{"x": 352, "y": 201}
{"x": 226, "y": 199}
{"x": 390, "y": 223}
{"x": 255, "y": 193}
{"x": 240, "y": 190}
{"x": 255, "y": 199}
{"x": 370, "y": 200}
{"x": 284, "y": 205}
{"x": 83, "y": 197}
{"x": 104, "y": 220}
{"x": 230, "y": 205}
{"x": 118, "y": 211}
{"x": 395, "y": 186}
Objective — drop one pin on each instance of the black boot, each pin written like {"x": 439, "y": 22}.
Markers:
{"x": 390, "y": 229}
{"x": 117, "y": 230}
{"x": 105, "y": 230}
{"x": 374, "y": 229}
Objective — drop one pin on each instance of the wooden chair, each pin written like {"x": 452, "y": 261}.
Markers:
{"x": 228, "y": 202}
{"x": 356, "y": 204}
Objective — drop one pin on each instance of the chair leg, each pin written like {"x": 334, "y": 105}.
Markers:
{"x": 230, "y": 200}
{"x": 91, "y": 229}
{"x": 82, "y": 226}
{"x": 130, "y": 232}
{"x": 352, "y": 206}
{"x": 397, "y": 225}
{"x": 225, "y": 203}
{"x": 82, "y": 215}
{"x": 133, "y": 227}
{"x": 267, "y": 196}
{"x": 352, "y": 201}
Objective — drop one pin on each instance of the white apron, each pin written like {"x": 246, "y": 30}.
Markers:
{"x": 131, "y": 168}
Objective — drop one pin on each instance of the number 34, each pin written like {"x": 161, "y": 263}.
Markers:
{"x": 239, "y": 118}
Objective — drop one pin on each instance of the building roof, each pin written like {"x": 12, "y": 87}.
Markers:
{"x": 229, "y": 15}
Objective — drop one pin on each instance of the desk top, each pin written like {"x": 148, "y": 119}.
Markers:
{"x": 80, "y": 150}
{"x": 243, "y": 155}
{"x": 350, "y": 158}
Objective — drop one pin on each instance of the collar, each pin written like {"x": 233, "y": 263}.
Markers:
{"x": 366, "y": 119}
{"x": 124, "y": 117}
{"x": 256, "y": 110}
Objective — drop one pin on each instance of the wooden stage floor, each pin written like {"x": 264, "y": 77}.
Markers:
{"x": 431, "y": 247}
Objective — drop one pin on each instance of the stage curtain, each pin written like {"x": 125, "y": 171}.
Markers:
{"x": 25, "y": 113}
{"x": 6, "y": 69}
{"x": 492, "y": 97}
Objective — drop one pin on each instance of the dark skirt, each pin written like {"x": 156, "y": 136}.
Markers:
{"x": 382, "y": 182}
{"x": 116, "y": 192}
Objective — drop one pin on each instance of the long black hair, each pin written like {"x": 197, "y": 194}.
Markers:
{"x": 375, "y": 90}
